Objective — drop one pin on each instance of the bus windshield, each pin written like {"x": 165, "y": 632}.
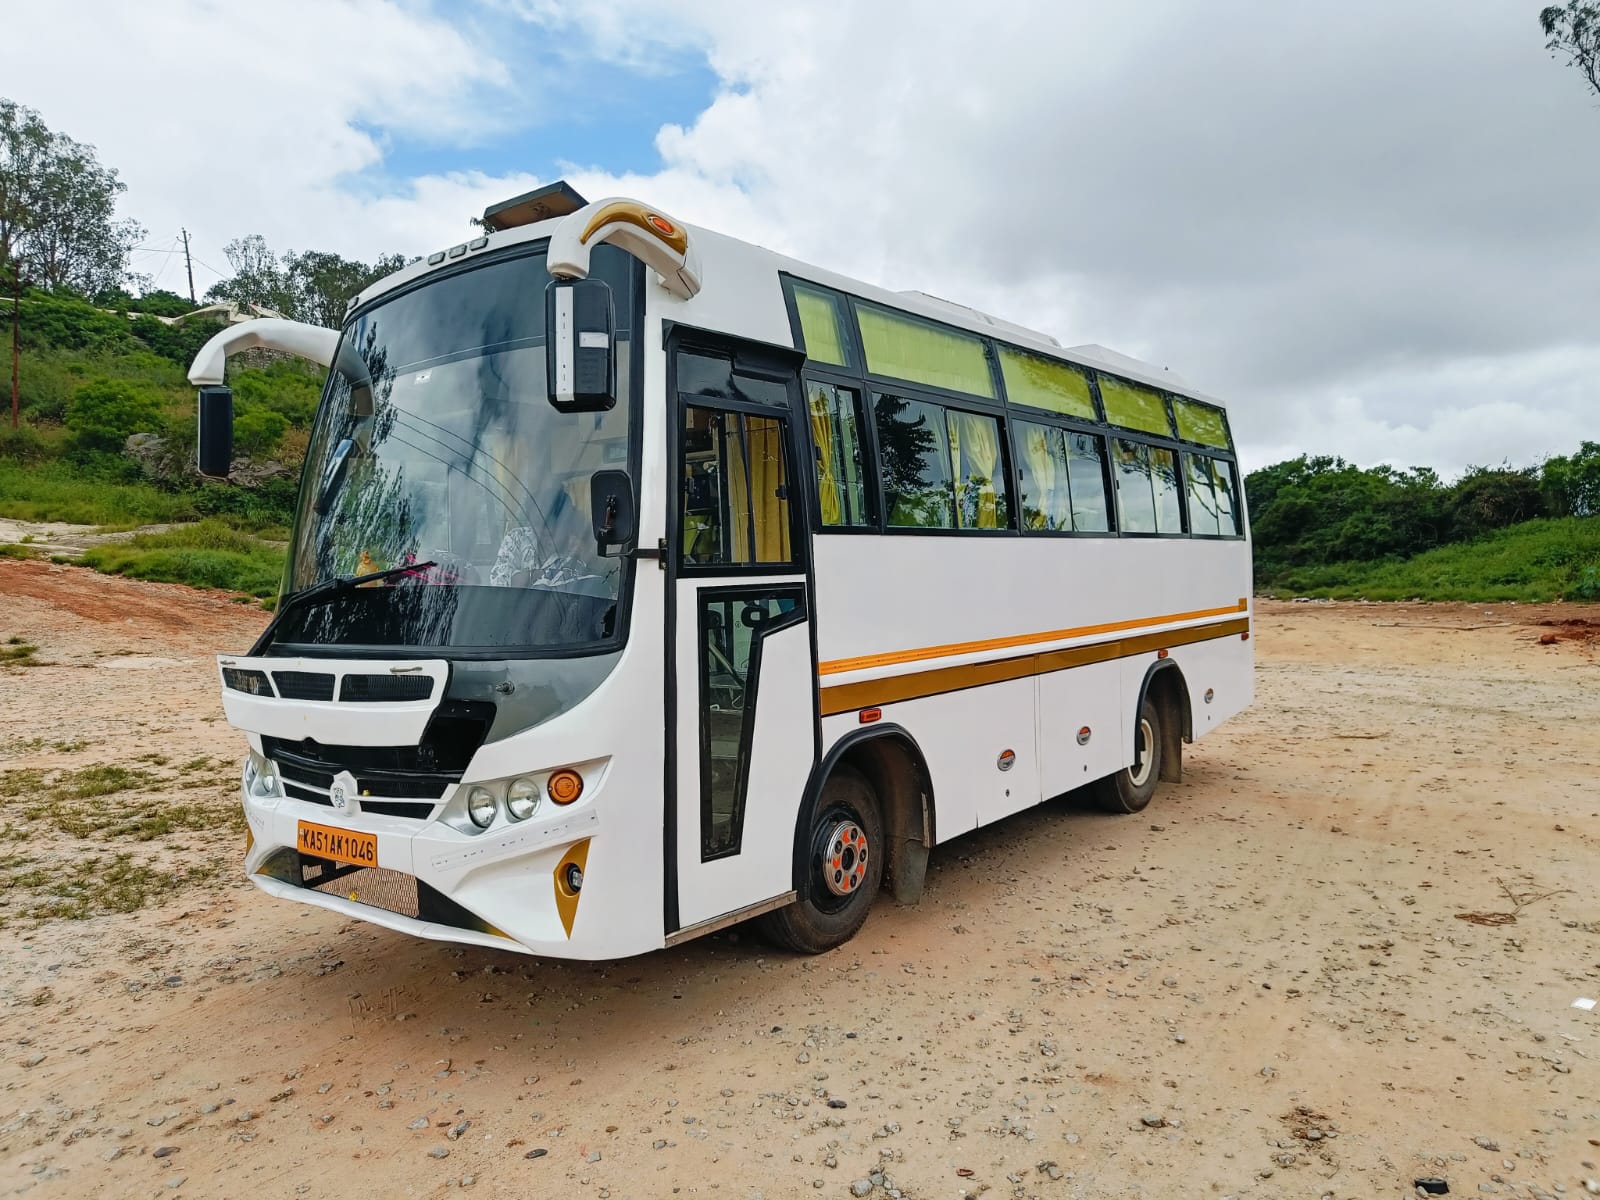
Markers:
{"x": 436, "y": 445}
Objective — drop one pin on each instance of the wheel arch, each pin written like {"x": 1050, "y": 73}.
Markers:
{"x": 1165, "y": 685}
{"x": 894, "y": 765}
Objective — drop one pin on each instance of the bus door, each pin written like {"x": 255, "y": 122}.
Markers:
{"x": 741, "y": 667}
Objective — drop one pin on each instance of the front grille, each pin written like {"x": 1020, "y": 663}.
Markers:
{"x": 416, "y": 810}
{"x": 303, "y": 685}
{"x": 392, "y": 891}
{"x": 299, "y": 774}
{"x": 254, "y": 682}
{"x": 372, "y": 689}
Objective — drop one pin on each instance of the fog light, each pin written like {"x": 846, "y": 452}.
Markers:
{"x": 574, "y": 878}
{"x": 260, "y": 777}
{"x": 522, "y": 797}
{"x": 480, "y": 807}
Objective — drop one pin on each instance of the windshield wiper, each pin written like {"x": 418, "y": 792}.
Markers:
{"x": 327, "y": 589}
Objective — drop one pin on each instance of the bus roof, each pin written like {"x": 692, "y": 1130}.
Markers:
{"x": 918, "y": 303}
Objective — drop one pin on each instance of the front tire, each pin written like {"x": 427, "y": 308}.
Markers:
{"x": 1130, "y": 789}
{"x": 844, "y": 853}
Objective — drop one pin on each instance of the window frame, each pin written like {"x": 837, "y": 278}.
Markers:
{"x": 1068, "y": 426}
{"x": 1154, "y": 443}
{"x": 868, "y": 386}
{"x": 1238, "y": 513}
{"x": 683, "y": 338}
{"x": 942, "y": 401}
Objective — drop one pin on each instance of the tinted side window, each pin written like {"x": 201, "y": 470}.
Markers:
{"x": 1147, "y": 488}
{"x": 840, "y": 457}
{"x": 1202, "y": 495}
{"x": 915, "y": 460}
{"x": 1046, "y": 498}
{"x": 1086, "y": 473}
{"x": 1136, "y": 501}
{"x": 983, "y": 499}
{"x": 735, "y": 489}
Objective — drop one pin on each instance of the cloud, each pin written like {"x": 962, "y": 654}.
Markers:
{"x": 1360, "y": 226}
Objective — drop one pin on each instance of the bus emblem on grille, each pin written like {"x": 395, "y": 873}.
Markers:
{"x": 342, "y": 791}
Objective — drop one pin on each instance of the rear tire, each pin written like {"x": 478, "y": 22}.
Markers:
{"x": 844, "y": 854}
{"x": 1130, "y": 789}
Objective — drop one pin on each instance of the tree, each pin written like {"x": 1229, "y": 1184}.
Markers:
{"x": 257, "y": 277}
{"x": 313, "y": 286}
{"x": 1572, "y": 482}
{"x": 58, "y": 226}
{"x": 1574, "y": 30}
{"x": 323, "y": 283}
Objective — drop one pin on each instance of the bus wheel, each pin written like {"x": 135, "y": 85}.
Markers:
{"x": 1130, "y": 789}
{"x": 844, "y": 869}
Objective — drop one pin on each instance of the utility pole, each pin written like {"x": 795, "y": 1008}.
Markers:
{"x": 189, "y": 264}
{"x": 16, "y": 335}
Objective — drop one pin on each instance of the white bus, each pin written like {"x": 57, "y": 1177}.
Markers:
{"x": 645, "y": 581}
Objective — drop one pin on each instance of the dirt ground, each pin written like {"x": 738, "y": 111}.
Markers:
{"x": 1263, "y": 986}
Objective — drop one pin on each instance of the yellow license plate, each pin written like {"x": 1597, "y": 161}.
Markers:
{"x": 341, "y": 845}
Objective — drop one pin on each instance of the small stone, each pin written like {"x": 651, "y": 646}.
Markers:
{"x": 458, "y": 1129}
{"x": 163, "y": 1151}
{"x": 539, "y": 1152}
{"x": 178, "y": 1182}
{"x": 1313, "y": 1135}
{"x": 324, "y": 1089}
{"x": 153, "y": 1122}
{"x": 468, "y": 1180}
{"x": 726, "y": 1092}
{"x": 1484, "y": 1143}
{"x": 1152, "y": 1122}
{"x": 207, "y": 1109}
{"x": 861, "y": 1187}
{"x": 803, "y": 1057}
{"x": 594, "y": 1157}
{"x": 33, "y": 1060}
{"x": 439, "y": 1152}
{"x": 835, "y": 1102}
{"x": 419, "y": 1123}
{"x": 659, "y": 1144}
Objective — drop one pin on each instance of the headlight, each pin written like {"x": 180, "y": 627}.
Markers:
{"x": 480, "y": 807}
{"x": 260, "y": 777}
{"x": 522, "y": 797}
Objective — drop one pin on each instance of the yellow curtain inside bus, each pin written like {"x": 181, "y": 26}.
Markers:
{"x": 755, "y": 479}
{"x": 822, "y": 432}
{"x": 973, "y": 438}
{"x": 1051, "y": 503}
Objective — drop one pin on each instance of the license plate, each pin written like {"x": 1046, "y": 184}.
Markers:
{"x": 341, "y": 845}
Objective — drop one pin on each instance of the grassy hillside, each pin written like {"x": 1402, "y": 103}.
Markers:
{"x": 1546, "y": 559}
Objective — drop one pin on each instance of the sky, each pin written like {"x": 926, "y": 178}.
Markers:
{"x": 1371, "y": 228}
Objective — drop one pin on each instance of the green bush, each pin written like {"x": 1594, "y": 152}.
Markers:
{"x": 22, "y": 444}
{"x": 62, "y": 491}
{"x": 209, "y": 554}
{"x": 103, "y": 412}
{"x": 1546, "y": 559}
{"x": 287, "y": 386}
{"x": 257, "y": 432}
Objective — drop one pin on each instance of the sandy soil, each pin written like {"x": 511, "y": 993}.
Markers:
{"x": 1260, "y": 987}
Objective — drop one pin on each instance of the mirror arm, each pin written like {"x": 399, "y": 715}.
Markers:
{"x": 311, "y": 342}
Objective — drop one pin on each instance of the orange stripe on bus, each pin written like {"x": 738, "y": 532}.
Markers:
{"x": 839, "y": 666}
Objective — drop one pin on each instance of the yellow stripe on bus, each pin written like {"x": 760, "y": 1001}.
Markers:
{"x": 916, "y": 685}
{"x": 839, "y": 666}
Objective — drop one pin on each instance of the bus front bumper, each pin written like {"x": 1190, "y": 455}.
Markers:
{"x": 504, "y": 888}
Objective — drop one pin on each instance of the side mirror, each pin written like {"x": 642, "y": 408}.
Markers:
{"x": 611, "y": 508}
{"x": 216, "y": 431}
{"x": 580, "y": 345}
